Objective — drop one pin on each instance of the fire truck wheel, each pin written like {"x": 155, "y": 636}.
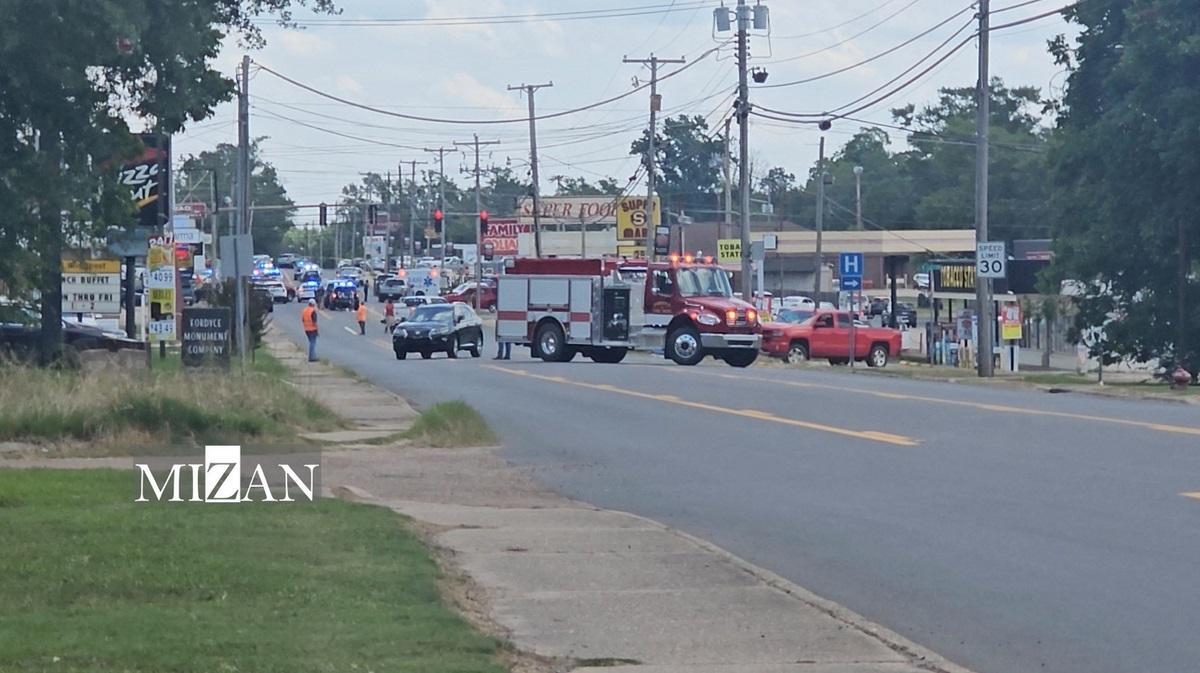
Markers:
{"x": 683, "y": 346}
{"x": 741, "y": 358}
{"x": 550, "y": 344}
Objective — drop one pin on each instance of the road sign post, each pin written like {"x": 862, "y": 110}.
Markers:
{"x": 850, "y": 268}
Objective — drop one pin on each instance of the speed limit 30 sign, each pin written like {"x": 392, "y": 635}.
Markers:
{"x": 991, "y": 260}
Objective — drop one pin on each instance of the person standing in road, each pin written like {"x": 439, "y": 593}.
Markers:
{"x": 360, "y": 314}
{"x": 503, "y": 348}
{"x": 389, "y": 316}
{"x": 308, "y": 319}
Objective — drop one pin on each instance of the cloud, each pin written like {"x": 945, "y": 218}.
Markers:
{"x": 347, "y": 84}
{"x": 301, "y": 43}
{"x": 470, "y": 90}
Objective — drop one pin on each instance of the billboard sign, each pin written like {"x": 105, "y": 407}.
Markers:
{"x": 502, "y": 235}
{"x": 148, "y": 178}
{"x": 729, "y": 251}
{"x": 91, "y": 286}
{"x": 161, "y": 283}
{"x": 626, "y": 213}
{"x": 206, "y": 334}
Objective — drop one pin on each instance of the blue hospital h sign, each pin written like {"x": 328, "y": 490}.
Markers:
{"x": 850, "y": 269}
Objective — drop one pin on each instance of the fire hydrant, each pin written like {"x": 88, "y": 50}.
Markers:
{"x": 1180, "y": 379}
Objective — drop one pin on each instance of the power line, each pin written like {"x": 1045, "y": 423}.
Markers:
{"x": 853, "y": 37}
{"x": 836, "y": 26}
{"x": 886, "y": 84}
{"x": 574, "y": 15}
{"x": 521, "y": 120}
{"x": 872, "y": 58}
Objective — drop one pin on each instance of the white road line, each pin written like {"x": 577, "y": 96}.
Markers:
{"x": 350, "y": 329}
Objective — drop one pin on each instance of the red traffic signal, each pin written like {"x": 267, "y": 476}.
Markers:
{"x": 483, "y": 222}
{"x": 437, "y": 220}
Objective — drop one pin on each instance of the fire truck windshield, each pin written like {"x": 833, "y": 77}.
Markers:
{"x": 703, "y": 281}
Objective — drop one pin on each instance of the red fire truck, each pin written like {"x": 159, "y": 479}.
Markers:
{"x": 683, "y": 307}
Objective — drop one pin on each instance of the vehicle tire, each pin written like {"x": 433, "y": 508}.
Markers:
{"x": 877, "y": 356}
{"x": 425, "y": 355}
{"x": 608, "y": 356}
{"x": 550, "y": 342}
{"x": 452, "y": 349}
{"x": 476, "y": 349}
{"x": 743, "y": 357}
{"x": 797, "y": 353}
{"x": 683, "y": 346}
{"x": 401, "y": 355}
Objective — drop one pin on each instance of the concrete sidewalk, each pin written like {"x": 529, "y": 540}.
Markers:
{"x": 593, "y": 590}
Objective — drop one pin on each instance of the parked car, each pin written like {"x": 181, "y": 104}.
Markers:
{"x": 465, "y": 293}
{"x": 286, "y": 260}
{"x": 827, "y": 335}
{"x": 797, "y": 301}
{"x": 411, "y": 302}
{"x": 921, "y": 280}
{"x": 21, "y": 329}
{"x": 906, "y": 314}
{"x": 391, "y": 288}
{"x": 307, "y": 290}
{"x": 449, "y": 328}
{"x": 340, "y": 294}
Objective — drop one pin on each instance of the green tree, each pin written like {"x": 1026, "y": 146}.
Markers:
{"x": 688, "y": 161}
{"x": 568, "y": 186}
{"x": 887, "y": 188}
{"x": 194, "y": 176}
{"x": 64, "y": 112}
{"x": 941, "y": 165}
{"x": 1125, "y": 170}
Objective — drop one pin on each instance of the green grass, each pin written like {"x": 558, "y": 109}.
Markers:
{"x": 140, "y": 410}
{"x": 451, "y": 424}
{"x": 91, "y": 582}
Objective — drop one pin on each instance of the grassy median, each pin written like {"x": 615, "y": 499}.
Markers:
{"x": 167, "y": 405}
{"x": 451, "y": 424}
{"x": 94, "y": 583}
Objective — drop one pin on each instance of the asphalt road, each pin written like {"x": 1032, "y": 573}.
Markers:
{"x": 1008, "y": 530}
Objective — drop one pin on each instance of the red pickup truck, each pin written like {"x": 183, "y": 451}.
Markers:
{"x": 827, "y": 335}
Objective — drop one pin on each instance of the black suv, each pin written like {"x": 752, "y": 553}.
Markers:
{"x": 448, "y": 328}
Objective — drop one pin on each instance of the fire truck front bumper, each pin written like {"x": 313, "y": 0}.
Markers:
{"x": 715, "y": 341}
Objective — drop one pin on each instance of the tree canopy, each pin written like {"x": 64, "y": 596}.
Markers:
{"x": 1125, "y": 169}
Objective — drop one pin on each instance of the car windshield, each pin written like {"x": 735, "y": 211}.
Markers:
{"x": 443, "y": 313}
{"x": 703, "y": 281}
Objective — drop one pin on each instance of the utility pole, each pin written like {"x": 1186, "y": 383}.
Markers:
{"x": 728, "y": 183}
{"x": 476, "y": 143}
{"x": 412, "y": 212}
{"x": 243, "y": 198}
{"x": 529, "y": 89}
{"x": 818, "y": 262}
{"x": 655, "y": 106}
{"x": 983, "y": 286}
{"x": 441, "y": 201}
{"x": 743, "y": 114}
{"x": 858, "y": 221}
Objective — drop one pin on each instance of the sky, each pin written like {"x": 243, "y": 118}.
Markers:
{"x": 424, "y": 58}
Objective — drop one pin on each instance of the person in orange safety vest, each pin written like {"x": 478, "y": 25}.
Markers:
{"x": 308, "y": 319}
{"x": 361, "y": 314}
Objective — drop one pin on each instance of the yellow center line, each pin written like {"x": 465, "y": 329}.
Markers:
{"x": 999, "y": 408}
{"x": 755, "y": 414}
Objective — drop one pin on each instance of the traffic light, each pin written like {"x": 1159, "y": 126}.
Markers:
{"x": 372, "y": 213}
{"x": 437, "y": 221}
{"x": 483, "y": 223}
{"x": 323, "y": 219}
